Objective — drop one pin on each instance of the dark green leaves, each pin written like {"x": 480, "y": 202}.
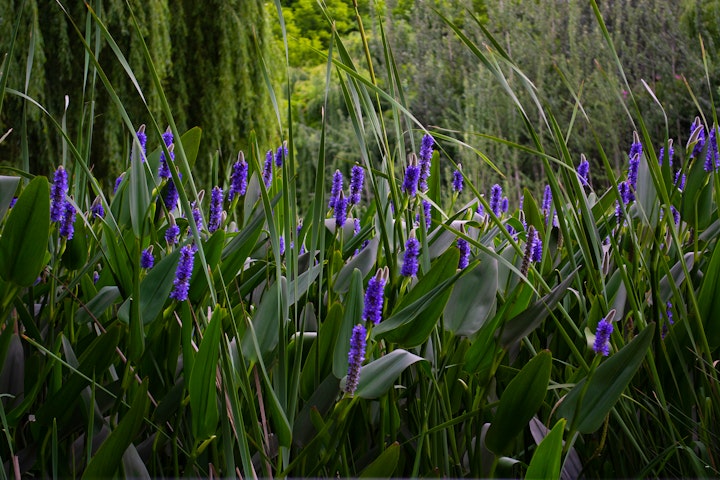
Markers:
{"x": 24, "y": 241}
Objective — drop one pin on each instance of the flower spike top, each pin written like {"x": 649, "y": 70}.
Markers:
{"x": 337, "y": 185}
{"x": 238, "y": 178}
{"x": 281, "y": 154}
{"x": 458, "y": 180}
{"x": 164, "y": 169}
{"x": 583, "y": 170}
{"x": 142, "y": 139}
{"x": 172, "y": 232}
{"x": 410, "y": 259}
{"x": 357, "y": 178}
{"x": 341, "y": 207}
{"x": 697, "y": 137}
{"x": 57, "y": 194}
{"x": 181, "y": 284}
{"x": 356, "y": 355}
{"x": 412, "y": 175}
{"x": 602, "y": 335}
{"x": 374, "y": 296}
{"x": 671, "y": 152}
{"x": 496, "y": 199}
{"x": 216, "y": 210}
{"x": 425, "y": 158}
{"x": 267, "y": 174}
{"x": 146, "y": 258}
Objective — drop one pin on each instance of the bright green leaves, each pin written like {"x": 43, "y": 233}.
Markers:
{"x": 589, "y": 402}
{"x": 108, "y": 457}
{"x": 203, "y": 393}
{"x": 473, "y": 299}
{"x": 545, "y": 462}
{"x": 24, "y": 241}
{"x": 519, "y": 403}
{"x": 378, "y": 376}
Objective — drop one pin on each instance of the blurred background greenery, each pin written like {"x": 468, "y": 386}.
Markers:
{"x": 207, "y": 56}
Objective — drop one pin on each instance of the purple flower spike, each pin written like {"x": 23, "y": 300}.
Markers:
{"x": 547, "y": 201}
{"x": 537, "y": 249}
{"x": 356, "y": 356}
{"x": 171, "y": 196}
{"x": 464, "y": 248}
{"x": 118, "y": 181}
{"x": 238, "y": 178}
{"x": 374, "y": 297}
{"x": 216, "y": 204}
{"x": 410, "y": 260}
{"x": 602, "y": 338}
{"x": 341, "y": 205}
{"x": 636, "y": 147}
{"x": 458, "y": 180}
{"x": 164, "y": 170}
{"x": 633, "y": 172}
{"x": 496, "y": 199}
{"x": 142, "y": 139}
{"x": 281, "y": 154}
{"x": 504, "y": 205}
{"x": 412, "y": 175}
{"x": 583, "y": 170}
{"x": 96, "y": 209}
{"x": 57, "y": 194}
{"x": 357, "y": 178}
{"x": 424, "y": 160}
{"x": 197, "y": 216}
{"x": 337, "y": 185}
{"x": 172, "y": 233}
{"x": 267, "y": 169}
{"x": 181, "y": 284}
{"x": 146, "y": 259}
{"x": 671, "y": 152}
{"x": 67, "y": 223}
{"x": 712, "y": 159}
{"x": 697, "y": 130}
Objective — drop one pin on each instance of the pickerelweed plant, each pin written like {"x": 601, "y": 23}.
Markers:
{"x": 407, "y": 326}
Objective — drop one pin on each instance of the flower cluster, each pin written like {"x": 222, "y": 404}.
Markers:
{"x": 410, "y": 259}
{"x": 374, "y": 296}
{"x": 356, "y": 356}
{"x": 602, "y": 338}
{"x": 181, "y": 284}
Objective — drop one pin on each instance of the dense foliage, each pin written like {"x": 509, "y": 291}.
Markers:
{"x": 401, "y": 320}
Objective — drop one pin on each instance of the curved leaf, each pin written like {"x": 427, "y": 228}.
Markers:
{"x": 545, "y": 462}
{"x": 473, "y": 298}
{"x": 519, "y": 403}
{"x": 378, "y": 376}
{"x": 24, "y": 240}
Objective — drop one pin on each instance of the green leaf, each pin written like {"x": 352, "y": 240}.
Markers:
{"x": 354, "y": 301}
{"x": 473, "y": 299}
{"x": 8, "y": 187}
{"x": 519, "y": 403}
{"x": 76, "y": 250}
{"x": 527, "y": 321}
{"x": 709, "y": 300}
{"x": 155, "y": 288}
{"x": 272, "y": 310}
{"x": 363, "y": 261}
{"x": 419, "y": 311}
{"x": 138, "y": 189}
{"x": 385, "y": 464}
{"x": 201, "y": 385}
{"x": 24, "y": 240}
{"x": 586, "y": 406}
{"x": 108, "y": 457}
{"x": 106, "y": 297}
{"x": 545, "y": 462}
{"x": 320, "y": 357}
{"x": 378, "y": 376}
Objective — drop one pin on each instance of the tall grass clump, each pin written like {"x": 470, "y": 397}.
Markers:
{"x": 404, "y": 324}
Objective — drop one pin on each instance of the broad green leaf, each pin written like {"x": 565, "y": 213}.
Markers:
{"x": 321, "y": 400}
{"x": 24, "y": 240}
{"x": 527, "y": 321}
{"x": 354, "y": 302}
{"x": 94, "y": 360}
{"x": 363, "y": 261}
{"x": 201, "y": 385}
{"x": 473, "y": 298}
{"x": 106, "y": 461}
{"x": 419, "y": 311}
{"x": 320, "y": 357}
{"x": 586, "y": 406}
{"x": 385, "y": 464}
{"x": 709, "y": 300}
{"x": 302, "y": 283}
{"x": 272, "y": 310}
{"x": 519, "y": 403}
{"x": 191, "y": 144}
{"x": 545, "y": 462}
{"x": 646, "y": 194}
{"x": 155, "y": 288}
{"x": 106, "y": 297}
{"x": 8, "y": 187}
{"x": 76, "y": 249}
{"x": 378, "y": 376}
